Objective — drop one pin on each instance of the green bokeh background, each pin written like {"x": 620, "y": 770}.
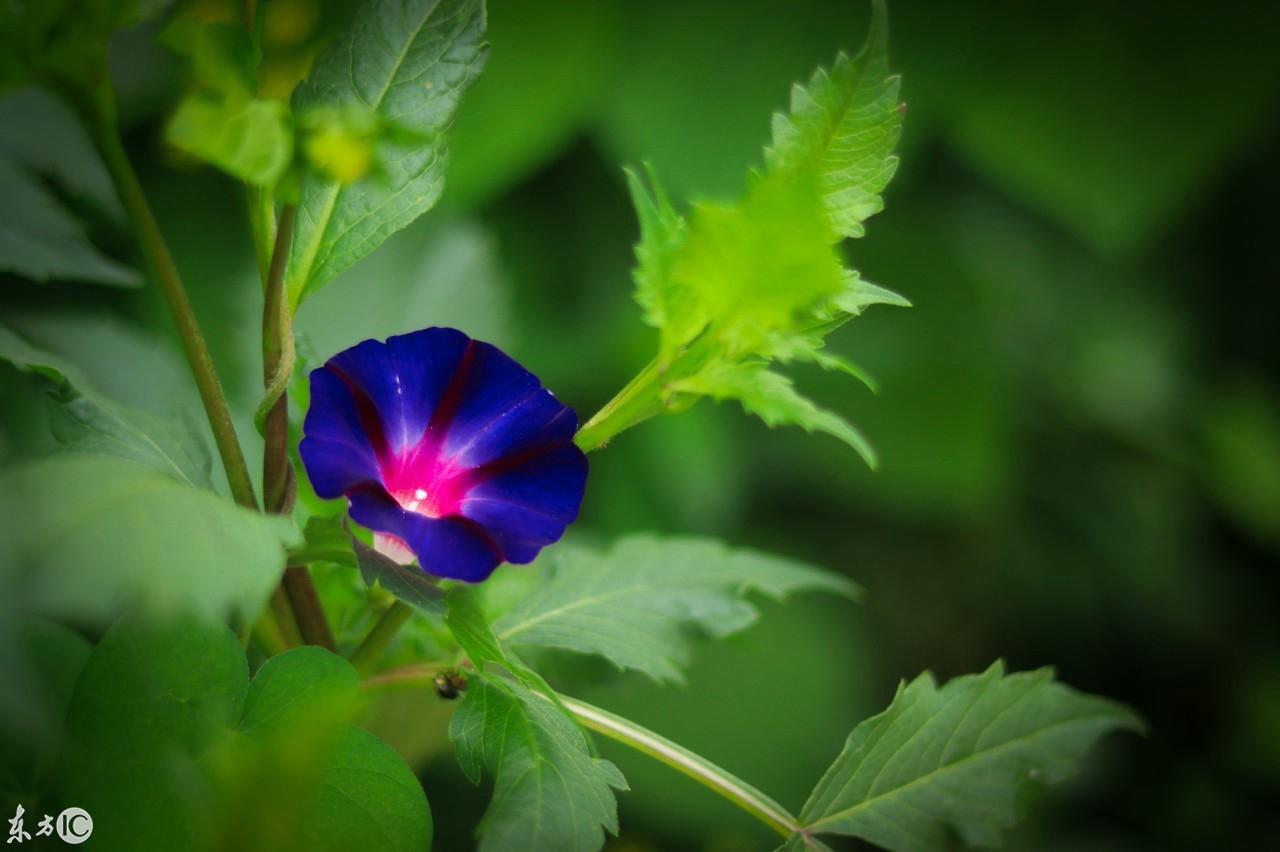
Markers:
{"x": 1079, "y": 420}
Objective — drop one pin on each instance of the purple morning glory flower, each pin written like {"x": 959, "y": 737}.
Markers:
{"x": 446, "y": 448}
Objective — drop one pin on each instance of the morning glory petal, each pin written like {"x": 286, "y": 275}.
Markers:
{"x": 447, "y": 446}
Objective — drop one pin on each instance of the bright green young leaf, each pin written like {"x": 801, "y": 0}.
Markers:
{"x": 101, "y": 534}
{"x": 549, "y": 792}
{"x": 667, "y": 303}
{"x": 223, "y": 122}
{"x": 842, "y": 129}
{"x": 636, "y": 604}
{"x": 859, "y": 293}
{"x": 957, "y": 758}
{"x": 88, "y": 422}
{"x": 771, "y": 397}
{"x": 409, "y": 61}
{"x": 165, "y": 722}
{"x": 761, "y": 265}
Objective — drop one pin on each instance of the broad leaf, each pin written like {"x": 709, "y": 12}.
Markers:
{"x": 771, "y": 397}
{"x": 303, "y": 686}
{"x": 637, "y": 604}
{"x": 409, "y": 62}
{"x": 100, "y": 534}
{"x": 41, "y": 241}
{"x": 88, "y": 422}
{"x": 549, "y": 792}
{"x": 149, "y": 704}
{"x": 957, "y": 758}
{"x": 842, "y": 129}
{"x": 165, "y": 722}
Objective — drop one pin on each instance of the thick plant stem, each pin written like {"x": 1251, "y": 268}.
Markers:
{"x": 102, "y": 127}
{"x": 277, "y": 364}
{"x": 681, "y": 759}
{"x": 277, "y": 337}
{"x": 380, "y": 636}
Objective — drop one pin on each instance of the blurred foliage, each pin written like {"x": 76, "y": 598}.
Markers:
{"x": 1079, "y": 421}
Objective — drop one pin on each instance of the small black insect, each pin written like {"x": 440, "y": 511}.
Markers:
{"x": 450, "y": 683}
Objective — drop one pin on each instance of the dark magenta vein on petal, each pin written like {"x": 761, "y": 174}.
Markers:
{"x": 366, "y": 410}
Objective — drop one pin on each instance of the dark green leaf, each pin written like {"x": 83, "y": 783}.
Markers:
{"x": 771, "y": 397}
{"x": 842, "y": 129}
{"x": 150, "y": 703}
{"x": 100, "y": 534}
{"x": 165, "y": 723}
{"x": 409, "y": 62}
{"x": 549, "y": 793}
{"x": 957, "y": 758}
{"x": 324, "y": 539}
{"x": 635, "y": 604}
{"x": 41, "y": 241}
{"x": 304, "y": 686}
{"x": 88, "y": 422}
{"x": 41, "y": 666}
{"x": 406, "y": 582}
{"x": 366, "y": 797}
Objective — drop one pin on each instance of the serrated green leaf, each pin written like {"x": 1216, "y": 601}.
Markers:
{"x": 549, "y": 792}
{"x": 957, "y": 758}
{"x": 858, "y": 293}
{"x": 409, "y": 61}
{"x": 667, "y": 303}
{"x": 842, "y": 129}
{"x": 636, "y": 604}
{"x": 771, "y": 397}
{"x": 88, "y": 422}
{"x": 101, "y": 534}
{"x": 41, "y": 241}
{"x": 472, "y": 630}
{"x": 761, "y": 265}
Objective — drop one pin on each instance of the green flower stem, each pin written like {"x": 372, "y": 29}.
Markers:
{"x": 649, "y": 393}
{"x": 262, "y": 223}
{"x": 380, "y": 636}
{"x": 681, "y": 759}
{"x": 636, "y": 402}
{"x": 101, "y": 122}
